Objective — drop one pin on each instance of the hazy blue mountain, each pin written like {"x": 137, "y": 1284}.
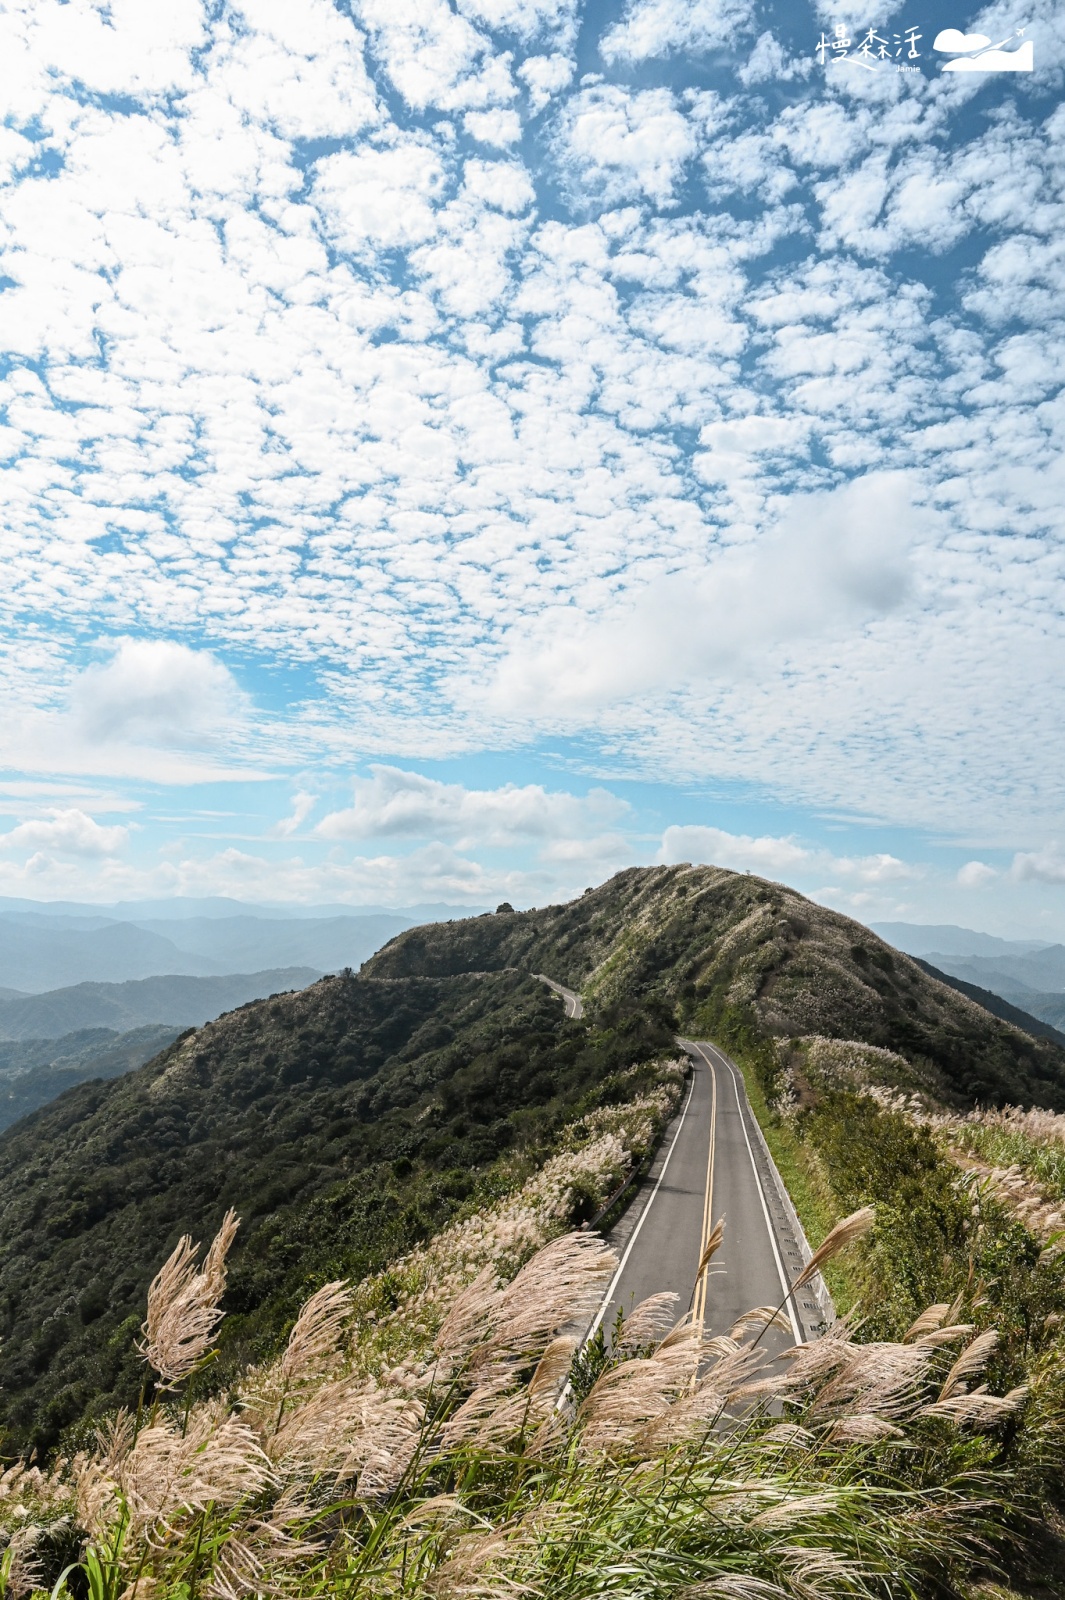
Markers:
{"x": 1039, "y": 972}
{"x": 45, "y": 948}
{"x": 176, "y": 1000}
{"x": 179, "y": 908}
{"x": 41, "y": 951}
{"x": 34, "y": 1072}
{"x": 921, "y": 939}
{"x": 248, "y": 944}
{"x": 1033, "y": 1023}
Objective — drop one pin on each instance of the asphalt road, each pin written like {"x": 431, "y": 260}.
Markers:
{"x": 708, "y": 1168}
{"x": 573, "y": 1003}
{"x": 711, "y": 1166}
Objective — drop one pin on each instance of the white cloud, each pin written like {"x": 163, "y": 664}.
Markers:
{"x": 769, "y": 61}
{"x": 833, "y": 561}
{"x": 381, "y": 198}
{"x": 397, "y": 804}
{"x": 651, "y": 28}
{"x": 67, "y": 832}
{"x": 545, "y": 77}
{"x": 374, "y": 422}
{"x": 302, "y": 806}
{"x": 976, "y": 875}
{"x": 619, "y": 145}
{"x": 434, "y": 56}
{"x": 1039, "y": 866}
{"x": 769, "y": 855}
{"x": 156, "y": 691}
{"x": 496, "y": 127}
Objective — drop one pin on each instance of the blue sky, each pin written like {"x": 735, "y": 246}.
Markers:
{"x": 454, "y": 450}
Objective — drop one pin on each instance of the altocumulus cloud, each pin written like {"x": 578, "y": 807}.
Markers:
{"x": 377, "y": 345}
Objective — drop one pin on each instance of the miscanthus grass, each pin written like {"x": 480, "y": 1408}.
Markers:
{"x": 418, "y": 1439}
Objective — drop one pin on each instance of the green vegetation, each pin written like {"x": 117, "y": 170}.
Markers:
{"x": 33, "y": 1072}
{"x": 345, "y": 1122}
{"x": 428, "y": 1131}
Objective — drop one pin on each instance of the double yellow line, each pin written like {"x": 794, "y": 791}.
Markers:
{"x": 702, "y": 1281}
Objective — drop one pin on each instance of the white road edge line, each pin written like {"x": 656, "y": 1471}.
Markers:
{"x": 789, "y": 1300}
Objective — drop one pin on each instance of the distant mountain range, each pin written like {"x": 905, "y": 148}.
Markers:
{"x": 1025, "y": 972}
{"x": 43, "y": 949}
{"x": 174, "y": 1001}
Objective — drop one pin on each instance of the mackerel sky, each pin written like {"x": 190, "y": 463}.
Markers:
{"x": 452, "y": 451}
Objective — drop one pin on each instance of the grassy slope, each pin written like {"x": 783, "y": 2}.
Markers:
{"x": 344, "y": 1123}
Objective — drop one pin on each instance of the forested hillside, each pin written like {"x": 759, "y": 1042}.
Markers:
{"x": 344, "y": 1122}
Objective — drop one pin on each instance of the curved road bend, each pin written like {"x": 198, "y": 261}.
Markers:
{"x": 573, "y": 1003}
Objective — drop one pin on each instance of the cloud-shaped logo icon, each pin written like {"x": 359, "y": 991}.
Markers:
{"x": 954, "y": 42}
{"x": 1022, "y": 60}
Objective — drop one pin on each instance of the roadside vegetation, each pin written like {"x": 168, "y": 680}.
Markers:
{"x": 416, "y": 1436}
{"x": 410, "y": 1152}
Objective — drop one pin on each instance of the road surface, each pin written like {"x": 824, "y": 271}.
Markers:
{"x": 711, "y": 1166}
{"x": 573, "y": 1003}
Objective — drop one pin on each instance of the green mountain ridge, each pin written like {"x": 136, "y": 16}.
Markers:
{"x": 354, "y": 1118}
{"x": 731, "y": 949}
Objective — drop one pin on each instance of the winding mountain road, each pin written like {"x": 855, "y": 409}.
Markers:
{"x": 712, "y": 1164}
{"x": 573, "y": 1003}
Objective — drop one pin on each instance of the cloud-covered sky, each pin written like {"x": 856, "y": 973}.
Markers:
{"x": 457, "y": 448}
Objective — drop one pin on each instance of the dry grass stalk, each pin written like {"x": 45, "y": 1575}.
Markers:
{"x": 562, "y": 1284}
{"x": 971, "y": 1362}
{"x": 843, "y": 1234}
{"x": 649, "y": 1321}
{"x": 315, "y": 1341}
{"x": 25, "y": 1572}
{"x": 978, "y": 1409}
{"x": 712, "y": 1246}
{"x": 760, "y": 1317}
{"x": 626, "y": 1398}
{"x": 265, "y": 1553}
{"x": 164, "y": 1475}
{"x": 183, "y": 1310}
{"x": 351, "y": 1430}
{"x": 930, "y": 1319}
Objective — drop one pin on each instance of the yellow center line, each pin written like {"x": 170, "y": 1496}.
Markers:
{"x": 699, "y": 1303}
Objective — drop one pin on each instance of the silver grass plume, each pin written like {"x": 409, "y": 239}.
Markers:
{"x": 843, "y": 1234}
{"x": 649, "y": 1321}
{"x": 350, "y": 1430}
{"x": 971, "y": 1362}
{"x": 167, "y": 1473}
{"x": 315, "y": 1341}
{"x": 626, "y": 1398}
{"x": 183, "y": 1310}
